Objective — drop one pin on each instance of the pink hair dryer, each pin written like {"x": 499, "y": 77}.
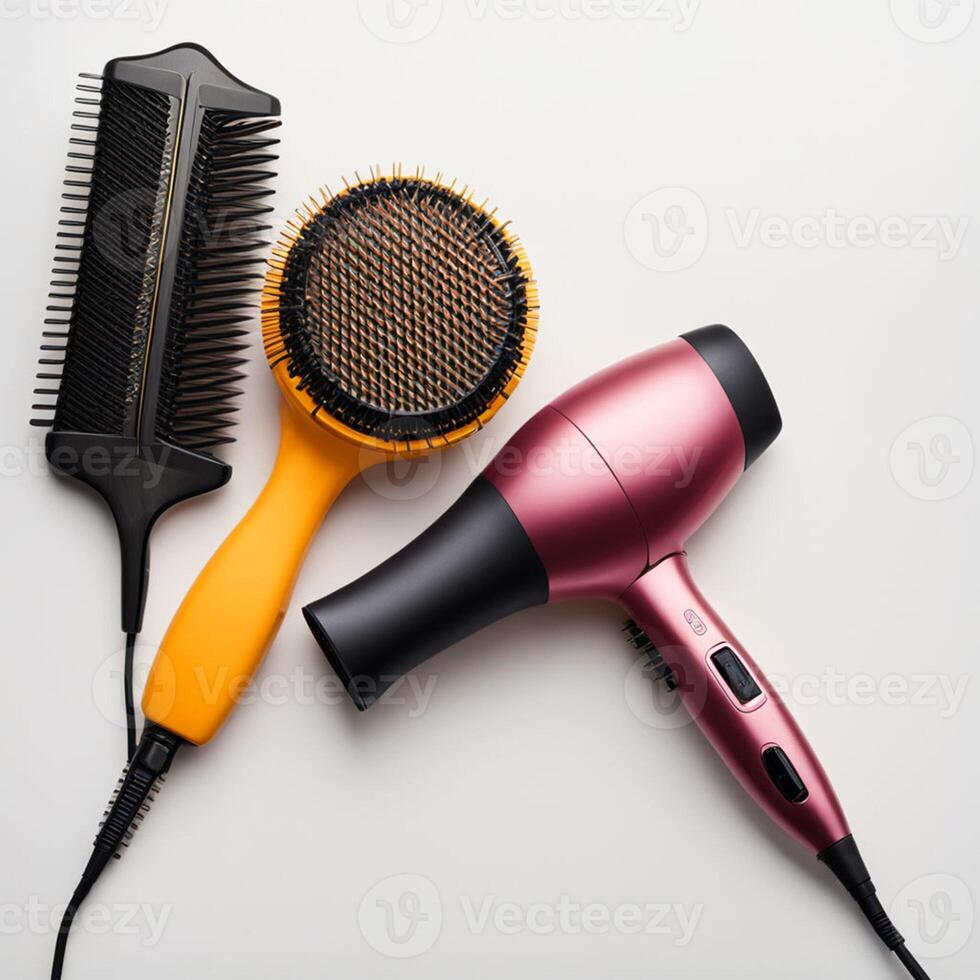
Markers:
{"x": 596, "y": 497}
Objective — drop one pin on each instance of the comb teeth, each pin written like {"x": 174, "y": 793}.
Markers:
{"x": 106, "y": 257}
{"x": 109, "y": 255}
{"x": 637, "y": 637}
{"x": 217, "y": 272}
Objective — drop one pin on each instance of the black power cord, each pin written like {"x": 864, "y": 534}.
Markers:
{"x": 88, "y": 880}
{"x": 78, "y": 896}
{"x": 845, "y": 861}
{"x": 129, "y": 696}
{"x": 910, "y": 963}
{"x": 85, "y": 885}
{"x": 130, "y": 803}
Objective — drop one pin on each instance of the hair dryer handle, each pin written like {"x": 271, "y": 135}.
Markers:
{"x": 735, "y": 706}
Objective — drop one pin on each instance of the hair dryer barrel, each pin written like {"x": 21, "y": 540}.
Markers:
{"x": 475, "y": 565}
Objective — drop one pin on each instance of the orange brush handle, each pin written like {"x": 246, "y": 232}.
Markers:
{"x": 232, "y": 612}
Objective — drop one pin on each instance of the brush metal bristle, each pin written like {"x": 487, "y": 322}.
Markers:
{"x": 637, "y": 638}
{"x": 401, "y": 307}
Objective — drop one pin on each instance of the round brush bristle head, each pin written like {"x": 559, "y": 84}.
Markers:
{"x": 405, "y": 311}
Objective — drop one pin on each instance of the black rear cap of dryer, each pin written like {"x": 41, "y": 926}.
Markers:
{"x": 473, "y": 566}
{"x": 743, "y": 381}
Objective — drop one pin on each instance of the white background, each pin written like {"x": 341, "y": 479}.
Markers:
{"x": 528, "y": 777}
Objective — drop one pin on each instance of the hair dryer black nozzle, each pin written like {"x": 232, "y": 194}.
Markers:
{"x": 473, "y": 566}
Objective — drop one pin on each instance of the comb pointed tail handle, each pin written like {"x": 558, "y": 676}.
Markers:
{"x": 735, "y": 706}
{"x": 138, "y": 483}
{"x": 156, "y": 486}
{"x": 230, "y": 616}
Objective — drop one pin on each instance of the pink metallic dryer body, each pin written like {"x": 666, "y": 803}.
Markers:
{"x": 596, "y": 496}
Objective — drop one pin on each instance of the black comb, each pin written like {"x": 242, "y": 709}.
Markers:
{"x": 158, "y": 252}
{"x": 660, "y": 670}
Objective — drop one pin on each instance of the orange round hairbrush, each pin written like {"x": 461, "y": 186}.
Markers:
{"x": 398, "y": 315}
